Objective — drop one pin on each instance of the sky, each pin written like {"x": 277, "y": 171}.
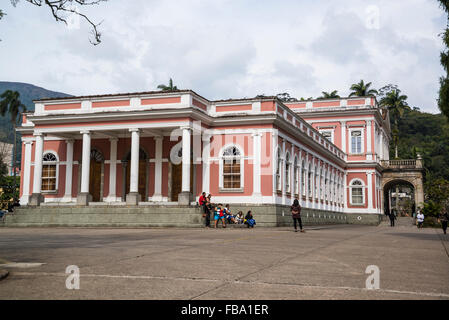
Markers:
{"x": 229, "y": 48}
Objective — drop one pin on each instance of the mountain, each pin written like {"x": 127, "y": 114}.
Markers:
{"x": 28, "y": 93}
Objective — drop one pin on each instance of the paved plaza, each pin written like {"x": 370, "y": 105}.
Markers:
{"x": 327, "y": 262}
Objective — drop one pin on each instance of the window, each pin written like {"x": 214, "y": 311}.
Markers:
{"x": 296, "y": 177}
{"x": 309, "y": 181}
{"x": 303, "y": 179}
{"x": 356, "y": 141}
{"x": 287, "y": 173}
{"x": 49, "y": 172}
{"x": 278, "y": 171}
{"x": 232, "y": 160}
{"x": 357, "y": 196}
{"x": 328, "y": 135}
{"x": 321, "y": 185}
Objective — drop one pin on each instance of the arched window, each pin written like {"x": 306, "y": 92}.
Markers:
{"x": 309, "y": 181}
{"x": 321, "y": 185}
{"x": 296, "y": 176}
{"x": 303, "y": 178}
{"x": 278, "y": 170}
{"x": 287, "y": 173}
{"x": 357, "y": 194}
{"x": 231, "y": 168}
{"x": 49, "y": 172}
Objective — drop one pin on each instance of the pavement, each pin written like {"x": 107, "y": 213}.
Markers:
{"x": 326, "y": 262}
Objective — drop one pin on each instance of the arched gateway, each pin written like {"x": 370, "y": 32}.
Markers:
{"x": 402, "y": 179}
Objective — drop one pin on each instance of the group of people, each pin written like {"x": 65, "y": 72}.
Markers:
{"x": 443, "y": 218}
{"x": 223, "y": 214}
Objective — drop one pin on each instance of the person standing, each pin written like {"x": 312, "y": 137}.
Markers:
{"x": 420, "y": 219}
{"x": 444, "y": 218}
{"x": 206, "y": 214}
{"x": 392, "y": 217}
{"x": 219, "y": 215}
{"x": 296, "y": 215}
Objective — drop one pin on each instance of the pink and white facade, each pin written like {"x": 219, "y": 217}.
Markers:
{"x": 168, "y": 147}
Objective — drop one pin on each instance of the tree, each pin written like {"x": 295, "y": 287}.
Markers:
{"x": 12, "y": 105}
{"x": 396, "y": 104}
{"x": 331, "y": 95}
{"x": 285, "y": 97}
{"x": 443, "y": 97}
{"x": 170, "y": 86}
{"x": 62, "y": 9}
{"x": 362, "y": 90}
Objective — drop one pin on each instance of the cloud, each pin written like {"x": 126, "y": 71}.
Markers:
{"x": 228, "y": 48}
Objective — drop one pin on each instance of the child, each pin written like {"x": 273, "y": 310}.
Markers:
{"x": 249, "y": 220}
{"x": 219, "y": 215}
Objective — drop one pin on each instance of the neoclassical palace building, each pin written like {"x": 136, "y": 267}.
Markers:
{"x": 167, "y": 147}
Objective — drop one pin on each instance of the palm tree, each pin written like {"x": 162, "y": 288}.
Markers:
{"x": 331, "y": 95}
{"x": 397, "y": 105}
{"x": 170, "y": 86}
{"x": 11, "y": 104}
{"x": 362, "y": 89}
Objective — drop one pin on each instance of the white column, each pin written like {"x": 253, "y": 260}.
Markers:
{"x": 381, "y": 144}
{"x": 206, "y": 164}
{"x": 257, "y": 153}
{"x": 369, "y": 155}
{"x": 284, "y": 167}
{"x": 112, "y": 196}
{"x": 345, "y": 190}
{"x": 68, "y": 170}
{"x": 158, "y": 169}
{"x": 292, "y": 175}
{"x": 343, "y": 136}
{"x": 134, "y": 171}
{"x": 185, "y": 159}
{"x": 38, "y": 154}
{"x": 85, "y": 165}
{"x": 370, "y": 190}
{"x": 26, "y": 173}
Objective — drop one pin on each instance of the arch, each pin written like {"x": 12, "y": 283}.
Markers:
{"x": 357, "y": 192}
{"x": 231, "y": 167}
{"x": 50, "y": 171}
{"x": 400, "y": 183}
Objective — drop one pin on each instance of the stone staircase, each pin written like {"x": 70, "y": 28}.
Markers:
{"x": 104, "y": 216}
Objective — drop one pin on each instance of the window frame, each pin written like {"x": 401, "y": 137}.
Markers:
{"x": 47, "y": 163}
{"x": 352, "y": 187}
{"x": 241, "y": 158}
{"x": 362, "y": 140}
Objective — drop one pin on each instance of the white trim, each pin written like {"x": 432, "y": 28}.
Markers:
{"x": 220, "y": 167}
{"x": 362, "y": 142}
{"x": 56, "y": 163}
{"x": 362, "y": 186}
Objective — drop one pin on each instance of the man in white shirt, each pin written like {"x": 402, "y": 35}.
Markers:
{"x": 420, "y": 219}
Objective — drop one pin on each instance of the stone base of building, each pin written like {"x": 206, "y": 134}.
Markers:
{"x": 36, "y": 199}
{"x": 150, "y": 216}
{"x": 184, "y": 198}
{"x": 83, "y": 199}
{"x": 133, "y": 198}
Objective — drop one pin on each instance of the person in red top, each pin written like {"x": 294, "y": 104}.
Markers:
{"x": 206, "y": 214}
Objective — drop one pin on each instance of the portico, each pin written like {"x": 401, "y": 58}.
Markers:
{"x": 139, "y": 173}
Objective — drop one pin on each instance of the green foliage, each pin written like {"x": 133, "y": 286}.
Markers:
{"x": 170, "y": 86}
{"x": 329, "y": 95}
{"x": 285, "y": 97}
{"x": 428, "y": 135}
{"x": 9, "y": 190}
{"x": 443, "y": 97}
{"x": 362, "y": 89}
